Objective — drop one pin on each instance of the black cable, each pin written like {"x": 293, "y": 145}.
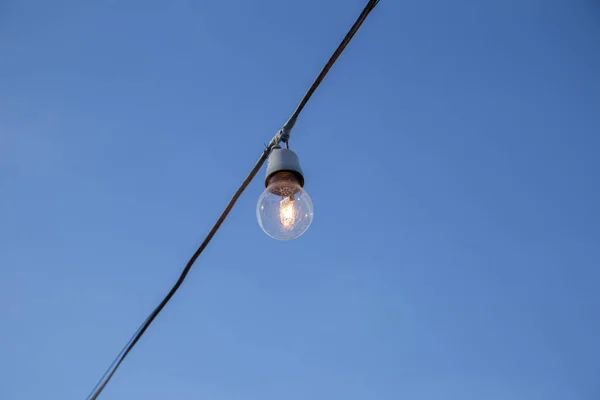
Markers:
{"x": 361, "y": 18}
{"x": 278, "y": 137}
{"x": 110, "y": 367}
{"x": 95, "y": 393}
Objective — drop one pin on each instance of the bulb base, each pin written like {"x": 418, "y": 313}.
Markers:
{"x": 283, "y": 160}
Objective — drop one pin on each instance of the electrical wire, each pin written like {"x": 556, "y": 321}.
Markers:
{"x": 281, "y": 136}
{"x": 115, "y": 365}
{"x": 110, "y": 367}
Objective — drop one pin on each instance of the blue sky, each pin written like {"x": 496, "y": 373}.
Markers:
{"x": 452, "y": 157}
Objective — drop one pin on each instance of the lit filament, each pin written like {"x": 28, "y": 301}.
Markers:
{"x": 287, "y": 213}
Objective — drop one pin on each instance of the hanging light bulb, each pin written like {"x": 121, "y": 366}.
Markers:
{"x": 284, "y": 210}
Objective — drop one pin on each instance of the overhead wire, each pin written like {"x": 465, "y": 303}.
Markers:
{"x": 136, "y": 337}
{"x": 281, "y": 136}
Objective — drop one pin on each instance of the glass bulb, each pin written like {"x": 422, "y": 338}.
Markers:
{"x": 284, "y": 210}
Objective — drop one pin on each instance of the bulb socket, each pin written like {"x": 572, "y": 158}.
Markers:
{"x": 283, "y": 160}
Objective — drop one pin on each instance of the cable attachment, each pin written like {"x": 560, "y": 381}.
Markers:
{"x": 274, "y": 142}
{"x": 283, "y": 135}
{"x": 287, "y": 129}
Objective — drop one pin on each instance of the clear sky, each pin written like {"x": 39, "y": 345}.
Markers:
{"x": 452, "y": 156}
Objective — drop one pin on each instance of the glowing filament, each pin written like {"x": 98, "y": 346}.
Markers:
{"x": 287, "y": 213}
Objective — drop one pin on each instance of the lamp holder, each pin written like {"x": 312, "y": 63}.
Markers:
{"x": 283, "y": 160}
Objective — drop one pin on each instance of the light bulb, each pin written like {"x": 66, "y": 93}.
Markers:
{"x": 284, "y": 210}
